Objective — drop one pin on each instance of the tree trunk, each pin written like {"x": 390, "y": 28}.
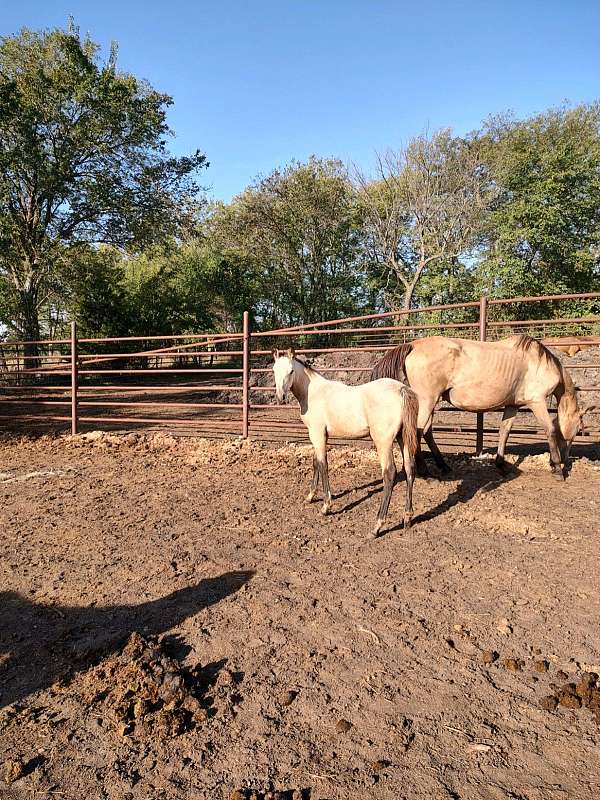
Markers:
{"x": 30, "y": 325}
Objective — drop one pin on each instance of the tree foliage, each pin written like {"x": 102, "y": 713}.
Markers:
{"x": 424, "y": 212}
{"x": 544, "y": 232}
{"x": 83, "y": 160}
{"x": 298, "y": 233}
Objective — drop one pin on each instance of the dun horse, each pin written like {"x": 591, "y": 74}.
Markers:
{"x": 386, "y": 410}
{"x": 484, "y": 376}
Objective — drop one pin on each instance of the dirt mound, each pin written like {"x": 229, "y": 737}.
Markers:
{"x": 144, "y": 692}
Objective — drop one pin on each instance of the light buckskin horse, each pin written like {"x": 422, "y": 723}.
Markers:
{"x": 386, "y": 410}
{"x": 486, "y": 376}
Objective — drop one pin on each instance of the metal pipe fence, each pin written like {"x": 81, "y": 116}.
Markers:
{"x": 219, "y": 383}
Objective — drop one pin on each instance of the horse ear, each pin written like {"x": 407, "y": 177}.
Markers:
{"x": 275, "y": 353}
{"x": 291, "y": 353}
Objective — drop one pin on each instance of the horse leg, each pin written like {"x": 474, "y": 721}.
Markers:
{"x": 440, "y": 462}
{"x": 508, "y": 418}
{"x": 319, "y": 442}
{"x": 315, "y": 480}
{"x": 424, "y": 423}
{"x": 388, "y": 472}
{"x": 409, "y": 469}
{"x": 540, "y": 412}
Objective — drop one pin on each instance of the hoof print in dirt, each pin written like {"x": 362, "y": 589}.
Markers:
{"x": 343, "y": 726}
{"x": 144, "y": 692}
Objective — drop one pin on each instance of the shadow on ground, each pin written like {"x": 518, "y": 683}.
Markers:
{"x": 40, "y": 644}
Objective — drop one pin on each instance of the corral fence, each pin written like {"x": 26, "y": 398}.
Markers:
{"x": 220, "y": 384}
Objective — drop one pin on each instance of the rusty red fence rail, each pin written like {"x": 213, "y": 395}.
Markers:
{"x": 219, "y": 378}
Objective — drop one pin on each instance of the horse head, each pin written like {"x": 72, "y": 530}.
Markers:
{"x": 283, "y": 370}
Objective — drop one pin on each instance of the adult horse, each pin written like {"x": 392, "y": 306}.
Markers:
{"x": 386, "y": 410}
{"x": 485, "y": 376}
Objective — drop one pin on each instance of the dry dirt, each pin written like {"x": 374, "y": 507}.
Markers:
{"x": 175, "y": 622}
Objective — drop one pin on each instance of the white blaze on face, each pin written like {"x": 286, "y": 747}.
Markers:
{"x": 283, "y": 370}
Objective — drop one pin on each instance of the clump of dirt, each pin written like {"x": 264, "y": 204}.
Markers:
{"x": 144, "y": 692}
{"x": 489, "y": 656}
{"x": 514, "y": 664}
{"x": 286, "y": 794}
{"x": 585, "y": 693}
{"x": 12, "y": 770}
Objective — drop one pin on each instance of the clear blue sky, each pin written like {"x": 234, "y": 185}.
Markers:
{"x": 258, "y": 83}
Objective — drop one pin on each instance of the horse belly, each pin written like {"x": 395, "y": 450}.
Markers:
{"x": 346, "y": 418}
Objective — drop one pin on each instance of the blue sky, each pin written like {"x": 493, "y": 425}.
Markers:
{"x": 262, "y": 82}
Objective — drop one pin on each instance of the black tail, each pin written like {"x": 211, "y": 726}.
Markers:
{"x": 392, "y": 365}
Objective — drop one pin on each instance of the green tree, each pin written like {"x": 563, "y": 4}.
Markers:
{"x": 298, "y": 234}
{"x": 83, "y": 159}
{"x": 544, "y": 233}
{"x": 423, "y": 215}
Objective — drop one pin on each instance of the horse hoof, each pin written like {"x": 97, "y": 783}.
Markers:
{"x": 407, "y": 521}
{"x": 310, "y": 497}
{"x": 558, "y": 475}
{"x": 325, "y": 510}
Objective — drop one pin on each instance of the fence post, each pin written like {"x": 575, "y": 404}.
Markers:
{"x": 246, "y": 377}
{"x": 482, "y": 337}
{"x": 74, "y": 379}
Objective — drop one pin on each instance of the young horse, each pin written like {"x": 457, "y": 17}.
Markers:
{"x": 483, "y": 376}
{"x": 385, "y": 410}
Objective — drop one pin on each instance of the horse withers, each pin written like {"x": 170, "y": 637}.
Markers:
{"x": 486, "y": 376}
{"x": 386, "y": 410}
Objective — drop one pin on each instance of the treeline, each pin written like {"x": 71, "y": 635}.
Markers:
{"x": 101, "y": 224}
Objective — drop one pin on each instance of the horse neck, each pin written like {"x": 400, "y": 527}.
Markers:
{"x": 567, "y": 400}
{"x": 303, "y": 377}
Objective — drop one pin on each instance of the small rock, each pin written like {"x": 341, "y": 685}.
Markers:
{"x": 513, "y": 664}
{"x": 287, "y": 698}
{"x": 562, "y": 675}
{"x": 549, "y": 703}
{"x": 381, "y": 764}
{"x": 238, "y": 795}
{"x": 588, "y": 679}
{"x": 12, "y": 770}
{"x": 568, "y": 698}
{"x": 343, "y": 726}
{"x": 541, "y": 665}
{"x": 504, "y": 627}
{"x": 489, "y": 656}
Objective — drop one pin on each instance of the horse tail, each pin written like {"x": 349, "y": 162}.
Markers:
{"x": 410, "y": 418}
{"x": 393, "y": 364}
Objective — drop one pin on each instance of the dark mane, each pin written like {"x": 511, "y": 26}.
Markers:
{"x": 525, "y": 343}
{"x": 306, "y": 364}
{"x": 392, "y": 365}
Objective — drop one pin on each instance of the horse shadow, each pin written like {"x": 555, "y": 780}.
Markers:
{"x": 41, "y": 644}
{"x": 483, "y": 479}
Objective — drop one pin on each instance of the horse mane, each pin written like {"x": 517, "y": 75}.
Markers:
{"x": 306, "y": 364}
{"x": 525, "y": 343}
{"x": 392, "y": 365}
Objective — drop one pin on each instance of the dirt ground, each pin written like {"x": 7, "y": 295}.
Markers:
{"x": 278, "y": 651}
